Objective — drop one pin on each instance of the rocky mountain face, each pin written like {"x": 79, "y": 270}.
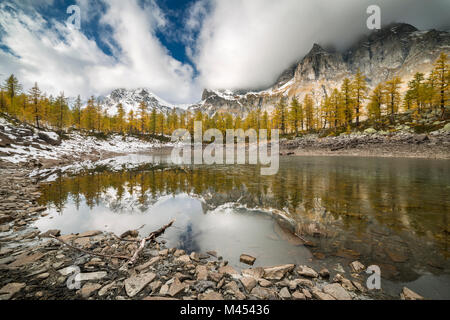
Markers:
{"x": 396, "y": 50}
{"x": 131, "y": 99}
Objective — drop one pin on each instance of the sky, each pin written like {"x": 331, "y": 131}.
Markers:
{"x": 177, "y": 48}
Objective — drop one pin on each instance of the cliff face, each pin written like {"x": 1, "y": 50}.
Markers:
{"x": 397, "y": 50}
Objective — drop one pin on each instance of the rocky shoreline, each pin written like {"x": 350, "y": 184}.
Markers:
{"x": 35, "y": 266}
{"x": 372, "y": 143}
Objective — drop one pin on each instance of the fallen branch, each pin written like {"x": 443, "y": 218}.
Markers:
{"x": 131, "y": 260}
{"x": 90, "y": 252}
{"x": 151, "y": 237}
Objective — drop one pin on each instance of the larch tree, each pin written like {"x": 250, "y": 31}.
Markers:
{"x": 359, "y": 93}
{"x": 347, "y": 100}
{"x": 441, "y": 74}
{"x": 120, "y": 118}
{"x": 142, "y": 115}
{"x": 77, "y": 112}
{"x": 296, "y": 114}
{"x": 376, "y": 101}
{"x": 416, "y": 92}
{"x": 12, "y": 88}
{"x": 35, "y": 97}
{"x": 393, "y": 98}
{"x": 308, "y": 105}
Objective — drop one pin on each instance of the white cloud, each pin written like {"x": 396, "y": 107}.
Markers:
{"x": 62, "y": 58}
{"x": 233, "y": 43}
{"x": 248, "y": 43}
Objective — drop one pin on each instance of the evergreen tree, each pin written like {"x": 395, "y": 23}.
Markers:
{"x": 393, "y": 99}
{"x": 441, "y": 74}
{"x": 35, "y": 97}
{"x": 296, "y": 115}
{"x": 359, "y": 92}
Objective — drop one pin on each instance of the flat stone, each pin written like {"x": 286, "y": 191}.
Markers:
{"x": 10, "y": 289}
{"x": 264, "y": 283}
{"x": 284, "y": 293}
{"x": 148, "y": 263}
{"x": 247, "y": 259}
{"x": 135, "y": 284}
{"x": 298, "y": 296}
{"x": 408, "y": 294}
{"x": 202, "y": 273}
{"x": 215, "y": 276}
{"x": 155, "y": 285}
{"x": 176, "y": 287}
{"x": 307, "y": 272}
{"x": 249, "y": 283}
{"x": 68, "y": 270}
{"x": 179, "y": 252}
{"x": 293, "y": 284}
{"x": 195, "y": 256}
{"x": 307, "y": 293}
{"x": 357, "y": 266}
{"x": 277, "y": 272}
{"x": 264, "y": 293}
{"x": 256, "y": 273}
{"x": 336, "y": 291}
{"x": 88, "y": 289}
{"x": 90, "y": 276}
{"x": 104, "y": 290}
{"x": 321, "y": 295}
{"x": 228, "y": 270}
{"x": 25, "y": 259}
{"x": 89, "y": 233}
{"x": 42, "y": 276}
{"x": 210, "y": 296}
{"x": 184, "y": 259}
{"x": 164, "y": 289}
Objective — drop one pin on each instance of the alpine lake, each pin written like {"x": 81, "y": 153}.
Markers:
{"x": 318, "y": 211}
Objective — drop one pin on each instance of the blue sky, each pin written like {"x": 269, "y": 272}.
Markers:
{"x": 177, "y": 48}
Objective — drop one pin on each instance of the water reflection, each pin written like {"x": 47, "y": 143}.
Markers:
{"x": 390, "y": 212}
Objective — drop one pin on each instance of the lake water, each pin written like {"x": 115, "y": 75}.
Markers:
{"x": 389, "y": 212}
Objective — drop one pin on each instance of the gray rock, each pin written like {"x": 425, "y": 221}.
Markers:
{"x": 135, "y": 284}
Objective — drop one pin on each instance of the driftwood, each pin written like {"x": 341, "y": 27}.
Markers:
{"x": 89, "y": 252}
{"x": 131, "y": 260}
{"x": 152, "y": 236}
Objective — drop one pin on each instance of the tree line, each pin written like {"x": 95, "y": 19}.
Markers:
{"x": 342, "y": 108}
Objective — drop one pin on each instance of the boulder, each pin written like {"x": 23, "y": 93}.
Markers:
{"x": 408, "y": 294}
{"x": 51, "y": 138}
{"x": 256, "y": 273}
{"x": 277, "y": 272}
{"x": 284, "y": 293}
{"x": 307, "y": 272}
{"x": 357, "y": 266}
{"x": 247, "y": 259}
{"x": 370, "y": 131}
{"x": 249, "y": 283}
{"x": 336, "y": 291}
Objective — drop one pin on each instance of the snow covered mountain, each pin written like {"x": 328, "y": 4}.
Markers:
{"x": 131, "y": 99}
{"x": 396, "y": 50}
